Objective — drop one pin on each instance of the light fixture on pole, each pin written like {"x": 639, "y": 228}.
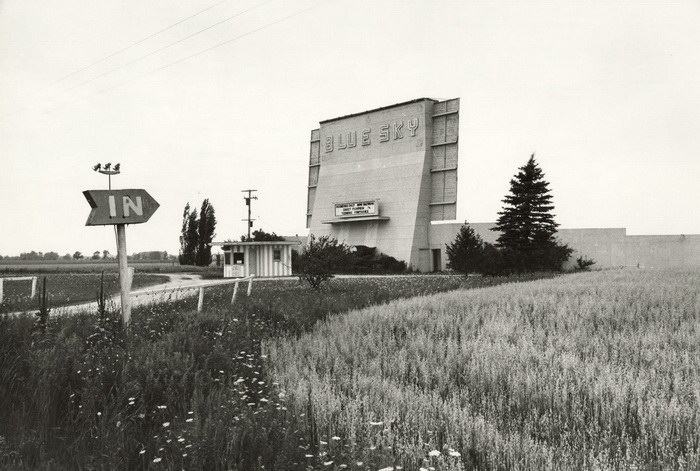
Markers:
{"x": 108, "y": 170}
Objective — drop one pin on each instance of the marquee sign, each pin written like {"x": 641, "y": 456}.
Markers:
{"x": 356, "y": 208}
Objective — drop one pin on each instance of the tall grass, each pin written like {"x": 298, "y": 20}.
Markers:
{"x": 184, "y": 390}
{"x": 589, "y": 371}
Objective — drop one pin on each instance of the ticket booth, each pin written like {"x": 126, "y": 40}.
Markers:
{"x": 262, "y": 259}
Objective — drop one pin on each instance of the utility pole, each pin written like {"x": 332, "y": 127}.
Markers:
{"x": 248, "y": 203}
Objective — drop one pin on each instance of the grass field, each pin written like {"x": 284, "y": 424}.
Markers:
{"x": 596, "y": 371}
{"x": 67, "y": 288}
{"x": 8, "y": 267}
{"x": 185, "y": 390}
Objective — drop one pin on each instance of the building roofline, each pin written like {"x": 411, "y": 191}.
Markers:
{"x": 379, "y": 109}
{"x": 267, "y": 242}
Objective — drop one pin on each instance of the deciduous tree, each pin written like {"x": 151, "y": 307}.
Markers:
{"x": 205, "y": 233}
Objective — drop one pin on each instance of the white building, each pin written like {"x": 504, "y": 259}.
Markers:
{"x": 264, "y": 259}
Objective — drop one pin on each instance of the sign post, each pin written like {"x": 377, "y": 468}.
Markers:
{"x": 119, "y": 208}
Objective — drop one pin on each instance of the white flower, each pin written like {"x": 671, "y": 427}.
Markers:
{"x": 157, "y": 460}
{"x": 166, "y": 424}
{"x": 376, "y": 423}
{"x": 142, "y": 452}
{"x": 335, "y": 438}
{"x": 388, "y": 468}
{"x": 455, "y": 453}
{"x": 99, "y": 414}
{"x": 189, "y": 420}
{"x": 327, "y": 463}
{"x": 434, "y": 453}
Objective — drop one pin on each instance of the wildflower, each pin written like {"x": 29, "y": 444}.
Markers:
{"x": 180, "y": 439}
{"x": 434, "y": 453}
{"x": 166, "y": 424}
{"x": 309, "y": 456}
{"x": 455, "y": 453}
{"x": 376, "y": 423}
{"x": 157, "y": 460}
{"x": 184, "y": 455}
{"x": 388, "y": 468}
{"x": 189, "y": 420}
{"x": 142, "y": 452}
{"x": 99, "y": 414}
{"x": 327, "y": 463}
{"x": 323, "y": 443}
{"x": 335, "y": 437}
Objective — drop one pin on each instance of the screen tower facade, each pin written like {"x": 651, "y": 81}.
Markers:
{"x": 380, "y": 177}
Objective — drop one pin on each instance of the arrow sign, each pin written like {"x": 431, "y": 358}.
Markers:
{"x": 119, "y": 207}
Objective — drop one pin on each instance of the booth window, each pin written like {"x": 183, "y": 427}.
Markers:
{"x": 277, "y": 255}
{"x": 227, "y": 258}
{"x": 238, "y": 258}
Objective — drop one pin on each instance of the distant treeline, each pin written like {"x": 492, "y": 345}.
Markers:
{"x": 153, "y": 255}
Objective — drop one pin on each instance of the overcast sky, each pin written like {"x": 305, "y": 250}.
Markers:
{"x": 606, "y": 93}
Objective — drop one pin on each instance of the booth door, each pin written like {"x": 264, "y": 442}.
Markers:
{"x": 252, "y": 262}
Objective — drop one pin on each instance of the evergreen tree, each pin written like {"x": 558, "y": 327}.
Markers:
{"x": 466, "y": 252}
{"x": 206, "y": 232}
{"x": 526, "y": 223}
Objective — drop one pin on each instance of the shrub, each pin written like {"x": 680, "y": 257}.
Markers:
{"x": 322, "y": 257}
{"x": 584, "y": 263}
{"x": 368, "y": 260}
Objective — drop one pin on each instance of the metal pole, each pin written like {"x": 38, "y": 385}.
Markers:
{"x": 200, "y": 303}
{"x": 123, "y": 274}
{"x": 250, "y": 285}
{"x": 33, "y": 286}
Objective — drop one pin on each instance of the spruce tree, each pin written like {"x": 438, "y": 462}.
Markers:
{"x": 527, "y": 225}
{"x": 466, "y": 252}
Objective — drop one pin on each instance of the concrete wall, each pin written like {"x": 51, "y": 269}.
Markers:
{"x": 659, "y": 251}
{"x": 609, "y": 247}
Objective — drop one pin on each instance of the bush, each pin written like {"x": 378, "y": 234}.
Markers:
{"x": 584, "y": 263}
{"x": 322, "y": 257}
{"x": 367, "y": 260}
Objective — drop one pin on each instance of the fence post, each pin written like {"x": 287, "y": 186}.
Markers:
{"x": 200, "y": 304}
{"x": 33, "y": 287}
{"x": 1, "y": 293}
{"x": 235, "y": 290}
{"x": 250, "y": 285}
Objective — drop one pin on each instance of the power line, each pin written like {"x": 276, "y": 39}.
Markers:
{"x": 131, "y": 45}
{"x": 285, "y": 18}
{"x": 169, "y": 45}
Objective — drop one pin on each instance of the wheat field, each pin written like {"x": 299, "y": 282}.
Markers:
{"x": 592, "y": 371}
